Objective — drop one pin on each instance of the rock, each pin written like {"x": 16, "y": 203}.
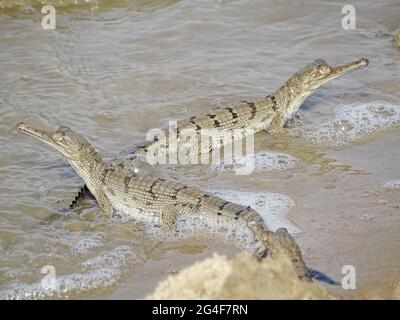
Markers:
{"x": 244, "y": 277}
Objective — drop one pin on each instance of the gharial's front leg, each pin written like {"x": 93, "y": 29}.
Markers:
{"x": 104, "y": 203}
{"x": 276, "y": 127}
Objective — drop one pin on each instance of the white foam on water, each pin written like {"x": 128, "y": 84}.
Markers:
{"x": 392, "y": 184}
{"x": 102, "y": 271}
{"x": 273, "y": 208}
{"x": 88, "y": 242}
{"x": 351, "y": 123}
{"x": 208, "y": 227}
{"x": 261, "y": 162}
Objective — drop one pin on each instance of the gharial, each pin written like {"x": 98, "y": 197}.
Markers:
{"x": 161, "y": 201}
{"x": 269, "y": 114}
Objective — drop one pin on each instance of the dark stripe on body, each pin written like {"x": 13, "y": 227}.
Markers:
{"x": 233, "y": 113}
{"x": 253, "y": 109}
{"x": 240, "y": 211}
{"x": 273, "y": 101}
{"x": 153, "y": 195}
{"x": 203, "y": 197}
{"x": 198, "y": 128}
{"x": 274, "y": 107}
{"x": 127, "y": 179}
{"x": 174, "y": 196}
{"x": 104, "y": 175}
{"x": 221, "y": 207}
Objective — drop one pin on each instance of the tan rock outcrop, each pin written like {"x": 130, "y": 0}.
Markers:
{"x": 244, "y": 277}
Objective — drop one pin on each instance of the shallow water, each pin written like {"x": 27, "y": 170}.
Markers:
{"x": 114, "y": 70}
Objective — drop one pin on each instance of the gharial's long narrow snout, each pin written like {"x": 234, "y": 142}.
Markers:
{"x": 33, "y": 132}
{"x": 338, "y": 71}
{"x": 68, "y": 143}
{"x": 55, "y": 140}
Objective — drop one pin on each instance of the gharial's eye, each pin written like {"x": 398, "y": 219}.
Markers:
{"x": 58, "y": 136}
{"x": 323, "y": 69}
{"x": 68, "y": 140}
{"x": 64, "y": 129}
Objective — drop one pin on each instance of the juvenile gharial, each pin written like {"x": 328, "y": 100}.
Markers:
{"x": 269, "y": 114}
{"x": 160, "y": 201}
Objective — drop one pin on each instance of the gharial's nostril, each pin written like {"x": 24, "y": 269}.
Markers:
{"x": 364, "y": 61}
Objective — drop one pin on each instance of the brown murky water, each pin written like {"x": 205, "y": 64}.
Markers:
{"x": 114, "y": 70}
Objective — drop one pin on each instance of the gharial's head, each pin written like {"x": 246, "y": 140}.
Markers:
{"x": 314, "y": 75}
{"x": 68, "y": 143}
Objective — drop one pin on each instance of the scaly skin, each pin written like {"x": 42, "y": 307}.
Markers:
{"x": 161, "y": 201}
{"x": 268, "y": 115}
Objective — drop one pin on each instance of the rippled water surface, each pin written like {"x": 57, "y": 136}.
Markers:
{"x": 112, "y": 70}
